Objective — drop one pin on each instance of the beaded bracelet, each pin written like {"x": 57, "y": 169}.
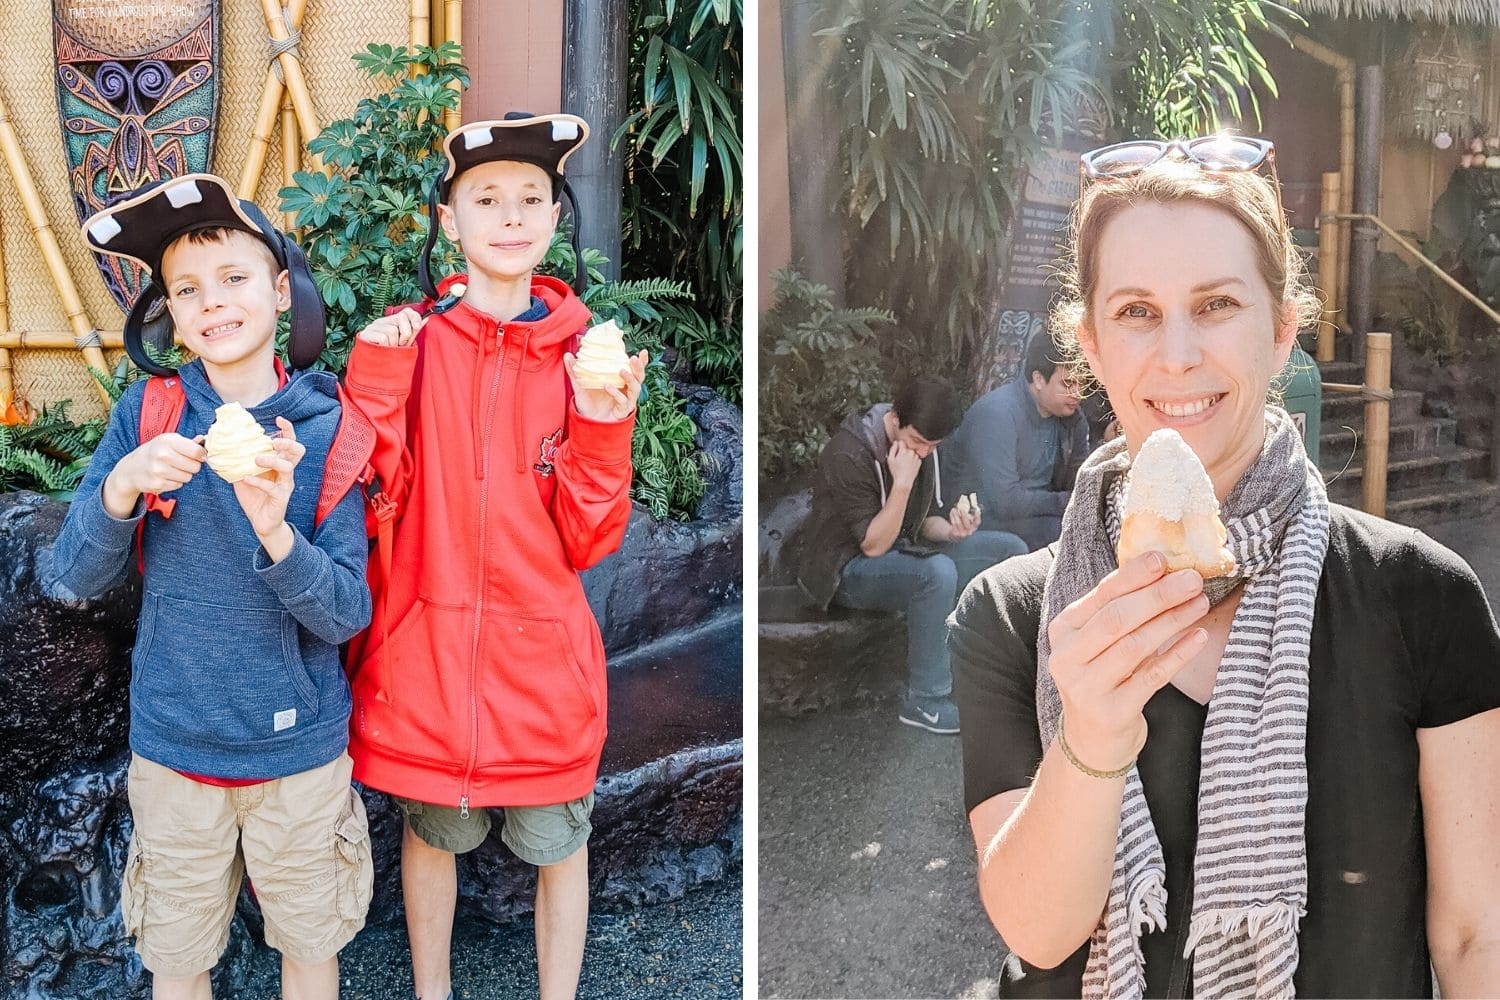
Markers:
{"x": 1062, "y": 741}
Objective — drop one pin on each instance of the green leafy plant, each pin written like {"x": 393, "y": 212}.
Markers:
{"x": 48, "y": 454}
{"x": 818, "y": 364}
{"x": 669, "y": 467}
{"x": 683, "y": 204}
{"x": 945, "y": 103}
{"x": 362, "y": 227}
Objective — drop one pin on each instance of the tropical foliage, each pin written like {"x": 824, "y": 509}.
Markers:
{"x": 362, "y": 226}
{"x": 48, "y": 452}
{"x": 818, "y": 364}
{"x": 683, "y": 205}
{"x": 944, "y": 102}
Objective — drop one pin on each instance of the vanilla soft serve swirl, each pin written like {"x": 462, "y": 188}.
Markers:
{"x": 600, "y": 357}
{"x": 234, "y": 441}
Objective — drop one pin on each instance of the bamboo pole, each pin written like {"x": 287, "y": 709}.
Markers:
{"x": 291, "y": 71}
{"x": 57, "y": 340}
{"x": 265, "y": 118}
{"x": 291, "y": 152}
{"x": 1346, "y": 180}
{"x": 1328, "y": 265}
{"x": 421, "y": 24}
{"x": 453, "y": 21}
{"x": 7, "y": 376}
{"x": 1377, "y": 421}
{"x": 260, "y": 138}
{"x": 85, "y": 337}
{"x": 1343, "y": 68}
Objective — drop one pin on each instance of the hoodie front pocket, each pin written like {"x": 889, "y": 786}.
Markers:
{"x": 540, "y": 706}
{"x": 224, "y": 674}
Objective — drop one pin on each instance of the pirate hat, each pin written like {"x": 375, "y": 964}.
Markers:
{"x": 546, "y": 141}
{"x": 140, "y": 227}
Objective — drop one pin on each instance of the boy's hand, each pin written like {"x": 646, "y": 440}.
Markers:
{"x": 264, "y": 499}
{"x": 398, "y": 330}
{"x": 161, "y": 465}
{"x": 610, "y": 404}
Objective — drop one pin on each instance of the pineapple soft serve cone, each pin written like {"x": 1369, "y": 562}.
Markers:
{"x": 601, "y": 355}
{"x": 234, "y": 441}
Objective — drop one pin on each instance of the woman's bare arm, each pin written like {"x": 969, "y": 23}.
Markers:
{"x": 1459, "y": 777}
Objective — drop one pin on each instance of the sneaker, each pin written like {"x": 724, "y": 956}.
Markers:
{"x": 936, "y": 715}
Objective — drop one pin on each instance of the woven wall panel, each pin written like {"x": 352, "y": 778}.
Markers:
{"x": 332, "y": 32}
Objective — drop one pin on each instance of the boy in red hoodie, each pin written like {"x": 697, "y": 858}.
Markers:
{"x": 481, "y": 681}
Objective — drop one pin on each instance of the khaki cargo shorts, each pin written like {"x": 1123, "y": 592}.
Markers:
{"x": 302, "y": 839}
{"x": 539, "y": 835}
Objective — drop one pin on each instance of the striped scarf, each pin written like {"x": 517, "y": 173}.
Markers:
{"x": 1250, "y": 867}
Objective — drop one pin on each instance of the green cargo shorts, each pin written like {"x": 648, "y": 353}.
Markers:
{"x": 539, "y": 835}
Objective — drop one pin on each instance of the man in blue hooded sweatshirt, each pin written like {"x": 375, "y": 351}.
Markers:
{"x": 239, "y": 709}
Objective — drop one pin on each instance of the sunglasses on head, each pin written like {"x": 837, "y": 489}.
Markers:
{"x": 1214, "y": 153}
{"x": 1221, "y": 154}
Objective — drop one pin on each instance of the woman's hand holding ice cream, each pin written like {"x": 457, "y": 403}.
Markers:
{"x": 264, "y": 498}
{"x": 1118, "y": 645}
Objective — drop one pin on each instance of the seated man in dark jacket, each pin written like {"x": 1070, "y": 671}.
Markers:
{"x": 880, "y": 537}
{"x": 1020, "y": 447}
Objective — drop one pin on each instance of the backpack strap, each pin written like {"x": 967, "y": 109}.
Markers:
{"x": 161, "y": 411}
{"x": 349, "y": 465}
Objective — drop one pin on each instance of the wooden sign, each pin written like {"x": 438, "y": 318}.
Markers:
{"x": 137, "y": 95}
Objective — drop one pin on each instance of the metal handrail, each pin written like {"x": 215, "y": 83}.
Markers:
{"x": 1422, "y": 259}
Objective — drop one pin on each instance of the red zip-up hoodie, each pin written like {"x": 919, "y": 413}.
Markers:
{"x": 493, "y": 689}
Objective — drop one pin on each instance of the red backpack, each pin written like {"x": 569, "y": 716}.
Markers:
{"x": 348, "y": 465}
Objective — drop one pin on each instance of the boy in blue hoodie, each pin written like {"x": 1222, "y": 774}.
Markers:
{"x": 239, "y": 709}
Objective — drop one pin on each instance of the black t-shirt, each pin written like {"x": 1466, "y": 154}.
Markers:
{"x": 1402, "y": 639}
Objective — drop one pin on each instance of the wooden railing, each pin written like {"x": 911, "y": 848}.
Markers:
{"x": 1377, "y": 387}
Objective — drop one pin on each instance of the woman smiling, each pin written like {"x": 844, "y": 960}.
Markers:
{"x": 1315, "y": 808}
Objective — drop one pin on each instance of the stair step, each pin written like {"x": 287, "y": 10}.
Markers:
{"x": 1344, "y": 372}
{"x": 1426, "y": 505}
{"x": 1337, "y": 442}
{"x": 1411, "y": 471}
{"x": 1344, "y": 408}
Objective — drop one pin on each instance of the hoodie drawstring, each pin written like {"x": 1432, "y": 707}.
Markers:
{"x": 937, "y": 486}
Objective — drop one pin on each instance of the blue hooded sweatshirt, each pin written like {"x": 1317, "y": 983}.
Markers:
{"x": 235, "y": 671}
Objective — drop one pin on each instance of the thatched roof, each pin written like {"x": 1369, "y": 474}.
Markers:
{"x": 1479, "y": 12}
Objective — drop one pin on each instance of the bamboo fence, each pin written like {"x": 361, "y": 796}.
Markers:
{"x": 276, "y": 69}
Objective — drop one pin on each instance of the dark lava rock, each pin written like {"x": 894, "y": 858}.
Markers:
{"x": 721, "y": 436}
{"x": 807, "y": 666}
{"x": 64, "y": 663}
{"x": 63, "y": 854}
{"x": 810, "y": 659}
{"x": 780, "y": 530}
{"x": 659, "y": 830}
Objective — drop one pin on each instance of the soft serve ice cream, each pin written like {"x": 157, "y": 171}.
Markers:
{"x": 601, "y": 355}
{"x": 233, "y": 443}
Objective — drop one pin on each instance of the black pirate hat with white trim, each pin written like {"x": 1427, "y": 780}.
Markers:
{"x": 546, "y": 141}
{"x": 143, "y": 224}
